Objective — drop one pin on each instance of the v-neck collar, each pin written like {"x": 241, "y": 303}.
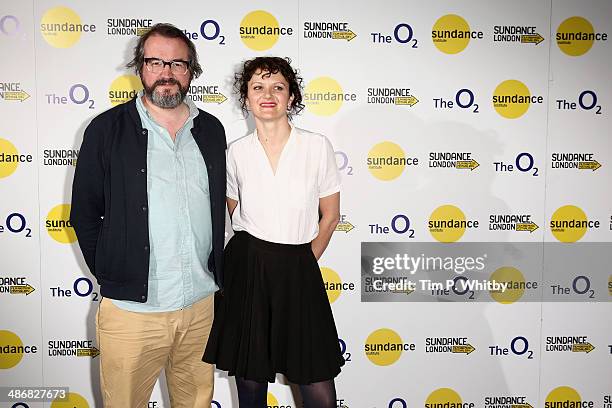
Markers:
{"x": 287, "y": 145}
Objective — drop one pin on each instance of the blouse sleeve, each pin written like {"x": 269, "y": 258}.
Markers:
{"x": 232, "y": 175}
{"x": 329, "y": 176}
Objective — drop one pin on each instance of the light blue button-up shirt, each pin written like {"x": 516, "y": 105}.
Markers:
{"x": 180, "y": 225}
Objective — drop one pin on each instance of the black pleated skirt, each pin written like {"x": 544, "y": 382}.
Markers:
{"x": 273, "y": 315}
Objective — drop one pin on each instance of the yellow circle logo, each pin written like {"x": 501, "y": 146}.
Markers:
{"x": 515, "y": 280}
{"x": 333, "y": 284}
{"x": 61, "y": 27}
{"x": 11, "y": 349}
{"x": 568, "y": 223}
{"x": 271, "y": 400}
{"x": 58, "y": 224}
{"x": 447, "y": 223}
{"x": 323, "y": 96}
{"x": 259, "y": 30}
{"x": 123, "y": 89}
{"x": 449, "y": 34}
{"x": 575, "y": 36}
{"x": 386, "y": 161}
{"x": 511, "y": 99}
{"x": 383, "y": 347}
{"x": 443, "y": 397}
{"x": 8, "y": 161}
{"x": 563, "y": 394}
{"x": 74, "y": 401}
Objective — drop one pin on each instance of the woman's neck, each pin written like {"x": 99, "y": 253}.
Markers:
{"x": 273, "y": 133}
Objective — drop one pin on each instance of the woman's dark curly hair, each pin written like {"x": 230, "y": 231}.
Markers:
{"x": 271, "y": 65}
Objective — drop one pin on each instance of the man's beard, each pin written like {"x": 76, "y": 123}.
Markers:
{"x": 166, "y": 99}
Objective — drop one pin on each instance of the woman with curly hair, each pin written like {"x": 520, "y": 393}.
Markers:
{"x": 273, "y": 315}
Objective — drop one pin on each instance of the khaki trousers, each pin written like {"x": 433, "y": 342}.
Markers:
{"x": 135, "y": 347}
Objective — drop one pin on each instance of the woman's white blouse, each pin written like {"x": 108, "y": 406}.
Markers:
{"x": 281, "y": 207}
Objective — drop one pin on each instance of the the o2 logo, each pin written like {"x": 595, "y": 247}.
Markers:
{"x": 587, "y": 100}
{"x": 400, "y": 224}
{"x": 466, "y": 291}
{"x": 346, "y": 355}
{"x": 20, "y": 405}
{"x": 16, "y": 223}
{"x": 83, "y": 287}
{"x": 404, "y": 34}
{"x": 524, "y": 162}
{"x": 9, "y": 25}
{"x": 464, "y": 98}
{"x": 78, "y": 94}
{"x": 397, "y": 403}
{"x": 210, "y": 30}
{"x": 342, "y": 161}
{"x": 520, "y": 347}
{"x": 581, "y": 285}
{"x": 214, "y": 404}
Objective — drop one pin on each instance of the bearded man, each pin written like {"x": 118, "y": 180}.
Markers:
{"x": 148, "y": 208}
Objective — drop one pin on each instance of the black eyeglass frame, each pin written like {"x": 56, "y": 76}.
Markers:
{"x": 169, "y": 63}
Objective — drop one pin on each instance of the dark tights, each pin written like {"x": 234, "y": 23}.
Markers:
{"x": 253, "y": 394}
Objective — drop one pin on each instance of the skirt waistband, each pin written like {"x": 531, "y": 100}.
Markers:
{"x": 271, "y": 246}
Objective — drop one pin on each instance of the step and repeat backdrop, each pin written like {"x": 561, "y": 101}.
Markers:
{"x": 473, "y": 127}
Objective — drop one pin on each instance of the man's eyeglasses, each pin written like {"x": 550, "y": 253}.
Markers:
{"x": 157, "y": 65}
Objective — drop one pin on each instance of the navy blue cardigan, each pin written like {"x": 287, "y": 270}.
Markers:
{"x": 109, "y": 199}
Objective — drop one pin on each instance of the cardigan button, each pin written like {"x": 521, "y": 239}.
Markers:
{"x": 144, "y": 131}
{"x": 146, "y": 247}
{"x": 142, "y": 170}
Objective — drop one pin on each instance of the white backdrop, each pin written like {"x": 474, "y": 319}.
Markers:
{"x": 54, "y": 81}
